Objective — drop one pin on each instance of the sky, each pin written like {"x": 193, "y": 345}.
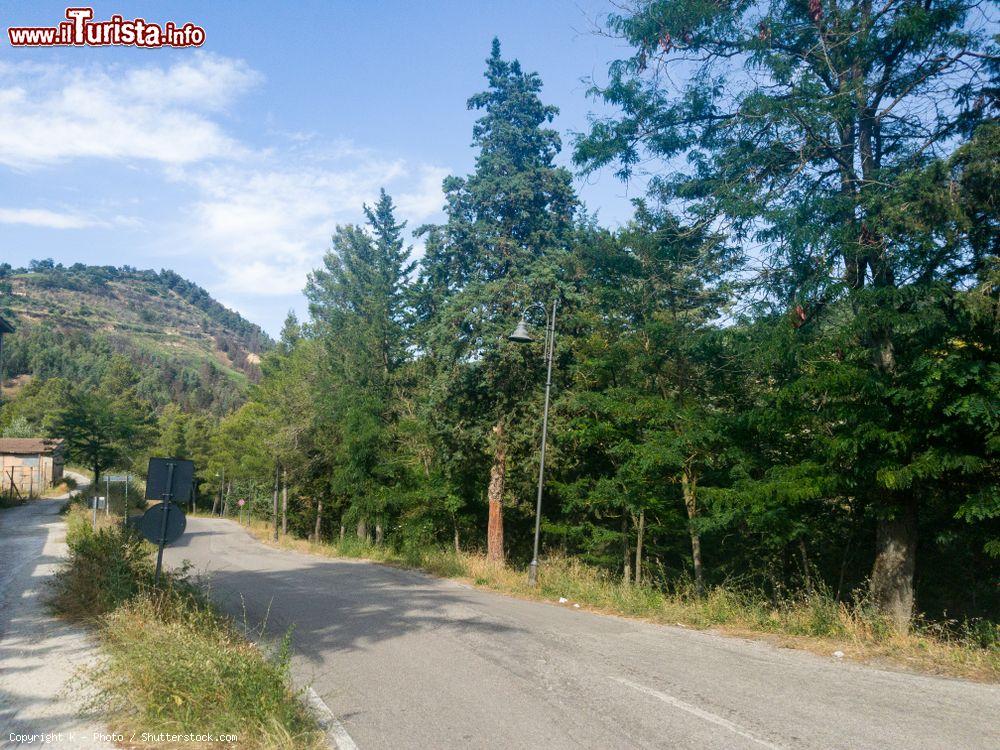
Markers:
{"x": 232, "y": 163}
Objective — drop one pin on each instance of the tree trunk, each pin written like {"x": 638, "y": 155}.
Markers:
{"x": 362, "y": 530}
{"x": 498, "y": 475}
{"x": 284, "y": 502}
{"x": 343, "y": 532}
{"x": 458, "y": 547}
{"x": 895, "y": 562}
{"x": 319, "y": 518}
{"x": 640, "y": 529}
{"x": 688, "y": 486}
{"x": 626, "y": 552}
{"x": 379, "y": 534}
{"x": 274, "y": 507}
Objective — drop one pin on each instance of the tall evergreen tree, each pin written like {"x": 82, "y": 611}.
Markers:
{"x": 503, "y": 246}
{"x": 357, "y": 301}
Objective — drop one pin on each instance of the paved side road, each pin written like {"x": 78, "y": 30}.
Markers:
{"x": 38, "y": 653}
{"x": 408, "y": 661}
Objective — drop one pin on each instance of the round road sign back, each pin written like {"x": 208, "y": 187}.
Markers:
{"x": 151, "y": 523}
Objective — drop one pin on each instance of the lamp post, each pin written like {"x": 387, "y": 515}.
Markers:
{"x": 521, "y": 336}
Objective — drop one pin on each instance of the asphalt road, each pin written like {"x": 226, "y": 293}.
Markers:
{"x": 409, "y": 661}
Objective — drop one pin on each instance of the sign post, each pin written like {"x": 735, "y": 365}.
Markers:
{"x": 162, "y": 524}
{"x": 241, "y": 503}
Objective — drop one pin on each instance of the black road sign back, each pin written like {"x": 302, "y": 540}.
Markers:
{"x": 151, "y": 523}
{"x": 156, "y": 479}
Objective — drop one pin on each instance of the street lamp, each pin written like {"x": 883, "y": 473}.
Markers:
{"x": 521, "y": 336}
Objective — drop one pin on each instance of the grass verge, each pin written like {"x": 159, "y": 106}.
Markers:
{"x": 172, "y": 664}
{"x": 814, "y": 621}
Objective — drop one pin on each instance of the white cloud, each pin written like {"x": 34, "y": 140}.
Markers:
{"x": 262, "y": 215}
{"x": 266, "y": 227}
{"x": 53, "y": 113}
{"x": 40, "y": 217}
{"x": 426, "y": 197}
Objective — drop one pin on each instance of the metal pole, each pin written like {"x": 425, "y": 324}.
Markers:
{"x": 550, "y": 342}
{"x": 125, "y": 511}
{"x": 275, "y": 507}
{"x": 107, "y": 495}
{"x": 163, "y": 524}
{"x": 95, "y": 512}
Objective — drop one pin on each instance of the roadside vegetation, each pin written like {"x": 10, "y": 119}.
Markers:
{"x": 171, "y": 662}
{"x": 811, "y": 620}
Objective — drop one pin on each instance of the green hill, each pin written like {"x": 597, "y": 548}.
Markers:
{"x": 72, "y": 321}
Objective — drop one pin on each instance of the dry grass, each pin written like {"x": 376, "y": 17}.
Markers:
{"x": 172, "y": 663}
{"x": 814, "y": 622}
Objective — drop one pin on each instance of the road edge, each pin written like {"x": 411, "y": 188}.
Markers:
{"x": 336, "y": 735}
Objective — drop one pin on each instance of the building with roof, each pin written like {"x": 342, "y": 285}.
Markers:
{"x": 28, "y": 466}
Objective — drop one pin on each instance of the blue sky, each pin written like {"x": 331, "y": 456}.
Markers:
{"x": 231, "y": 164}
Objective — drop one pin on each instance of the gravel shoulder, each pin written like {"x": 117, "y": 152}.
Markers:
{"x": 39, "y": 653}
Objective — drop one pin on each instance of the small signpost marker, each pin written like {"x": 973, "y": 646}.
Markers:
{"x": 241, "y": 503}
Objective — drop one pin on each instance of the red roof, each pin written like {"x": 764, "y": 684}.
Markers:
{"x": 29, "y": 446}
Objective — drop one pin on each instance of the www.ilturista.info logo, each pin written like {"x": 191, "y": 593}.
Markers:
{"x": 80, "y": 30}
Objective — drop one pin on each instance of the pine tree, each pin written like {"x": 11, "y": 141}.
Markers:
{"x": 503, "y": 246}
{"x": 358, "y": 304}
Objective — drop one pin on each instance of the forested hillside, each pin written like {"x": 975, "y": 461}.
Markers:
{"x": 187, "y": 349}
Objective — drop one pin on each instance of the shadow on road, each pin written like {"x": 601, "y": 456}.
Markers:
{"x": 331, "y": 604}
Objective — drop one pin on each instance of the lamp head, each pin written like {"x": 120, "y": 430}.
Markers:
{"x": 521, "y": 335}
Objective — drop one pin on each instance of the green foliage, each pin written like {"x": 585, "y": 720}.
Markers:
{"x": 104, "y": 427}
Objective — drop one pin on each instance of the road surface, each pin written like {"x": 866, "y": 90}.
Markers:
{"x": 39, "y": 654}
{"x": 408, "y": 661}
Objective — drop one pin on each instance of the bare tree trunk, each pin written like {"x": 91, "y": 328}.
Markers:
{"x": 379, "y": 534}
{"x": 284, "y": 502}
{"x": 498, "y": 475}
{"x": 626, "y": 552}
{"x": 319, "y": 518}
{"x": 641, "y": 528}
{"x": 362, "y": 530}
{"x": 454, "y": 523}
{"x": 688, "y": 486}
{"x": 895, "y": 562}
{"x": 343, "y": 532}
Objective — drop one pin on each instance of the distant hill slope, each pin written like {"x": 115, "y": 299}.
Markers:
{"x": 71, "y": 321}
